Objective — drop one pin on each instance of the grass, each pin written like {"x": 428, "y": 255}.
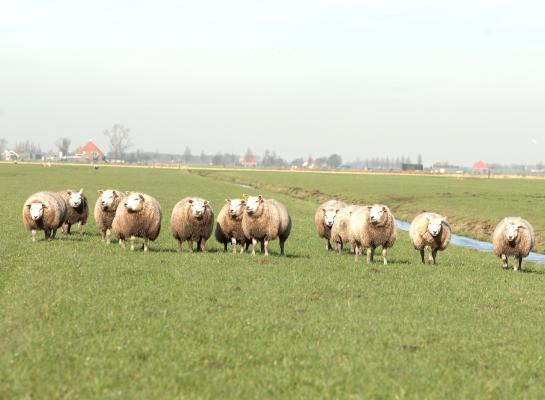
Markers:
{"x": 79, "y": 319}
{"x": 473, "y": 205}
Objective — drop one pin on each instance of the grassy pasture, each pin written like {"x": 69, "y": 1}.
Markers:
{"x": 473, "y": 205}
{"x": 79, "y": 319}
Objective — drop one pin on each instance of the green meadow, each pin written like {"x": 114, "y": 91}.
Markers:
{"x": 79, "y": 319}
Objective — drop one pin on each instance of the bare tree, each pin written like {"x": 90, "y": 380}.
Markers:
{"x": 3, "y": 145}
{"x": 27, "y": 149}
{"x": 63, "y": 144}
{"x": 120, "y": 141}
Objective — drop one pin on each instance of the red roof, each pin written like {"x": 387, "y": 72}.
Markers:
{"x": 480, "y": 166}
{"x": 90, "y": 149}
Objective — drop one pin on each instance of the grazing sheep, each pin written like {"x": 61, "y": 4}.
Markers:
{"x": 340, "y": 228}
{"x": 139, "y": 215}
{"x": 265, "y": 220}
{"x": 325, "y": 217}
{"x": 229, "y": 225}
{"x": 513, "y": 236}
{"x": 105, "y": 208}
{"x": 44, "y": 211}
{"x": 432, "y": 232}
{"x": 192, "y": 220}
{"x": 77, "y": 210}
{"x": 371, "y": 227}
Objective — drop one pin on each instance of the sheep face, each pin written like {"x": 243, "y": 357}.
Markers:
{"x": 36, "y": 210}
{"x": 329, "y": 217}
{"x": 511, "y": 231}
{"x": 107, "y": 199}
{"x": 76, "y": 199}
{"x": 236, "y": 207}
{"x": 198, "y": 208}
{"x": 134, "y": 202}
{"x": 377, "y": 214}
{"x": 435, "y": 225}
{"x": 253, "y": 203}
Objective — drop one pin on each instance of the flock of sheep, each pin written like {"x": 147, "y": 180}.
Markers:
{"x": 137, "y": 215}
{"x": 373, "y": 226}
{"x": 254, "y": 219}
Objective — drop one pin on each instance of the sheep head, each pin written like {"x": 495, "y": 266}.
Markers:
{"x": 75, "y": 199}
{"x": 36, "y": 210}
{"x": 253, "y": 203}
{"x": 377, "y": 214}
{"x": 435, "y": 224}
{"x": 198, "y": 208}
{"x": 107, "y": 198}
{"x": 134, "y": 202}
{"x": 329, "y": 216}
{"x": 236, "y": 207}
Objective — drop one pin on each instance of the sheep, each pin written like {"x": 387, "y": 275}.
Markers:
{"x": 44, "y": 211}
{"x": 325, "y": 217}
{"x": 139, "y": 215}
{"x": 339, "y": 230}
{"x": 105, "y": 208}
{"x": 515, "y": 237}
{"x": 265, "y": 220}
{"x": 430, "y": 231}
{"x": 371, "y": 227}
{"x": 229, "y": 225}
{"x": 192, "y": 219}
{"x": 77, "y": 210}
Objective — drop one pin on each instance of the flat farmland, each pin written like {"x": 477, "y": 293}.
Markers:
{"x": 79, "y": 319}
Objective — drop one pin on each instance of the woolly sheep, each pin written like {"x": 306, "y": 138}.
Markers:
{"x": 192, "y": 220}
{"x": 513, "y": 236}
{"x": 44, "y": 211}
{"x": 105, "y": 208}
{"x": 371, "y": 227}
{"x": 430, "y": 231}
{"x": 229, "y": 225}
{"x": 139, "y": 215}
{"x": 265, "y": 220}
{"x": 77, "y": 210}
{"x": 339, "y": 230}
{"x": 325, "y": 217}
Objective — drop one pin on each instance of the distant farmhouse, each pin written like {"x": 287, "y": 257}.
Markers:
{"x": 480, "y": 167}
{"x": 89, "y": 152}
{"x": 412, "y": 167}
{"x": 10, "y": 155}
{"x": 249, "y": 161}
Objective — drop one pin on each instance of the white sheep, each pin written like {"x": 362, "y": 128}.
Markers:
{"x": 44, "y": 211}
{"x": 325, "y": 217}
{"x": 513, "y": 237}
{"x": 430, "y": 231}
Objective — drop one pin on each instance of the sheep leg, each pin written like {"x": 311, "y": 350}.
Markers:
{"x": 190, "y": 242}
{"x": 234, "y": 244}
{"x": 262, "y": 243}
{"x": 254, "y": 243}
{"x": 179, "y": 245}
{"x": 68, "y": 226}
{"x": 338, "y": 247}
{"x": 505, "y": 261}
{"x": 52, "y": 234}
{"x": 282, "y": 247}
{"x": 103, "y": 235}
{"x": 34, "y": 235}
{"x": 122, "y": 243}
{"x": 357, "y": 251}
{"x": 327, "y": 244}
{"x": 242, "y": 245}
{"x": 225, "y": 246}
{"x": 133, "y": 243}
{"x": 46, "y": 233}
{"x": 80, "y": 228}
{"x": 266, "y": 246}
{"x": 433, "y": 256}
{"x": 423, "y": 256}
{"x": 370, "y": 252}
{"x": 108, "y": 233}
{"x": 202, "y": 242}
{"x": 385, "y": 256}
{"x": 519, "y": 266}
{"x": 145, "y": 244}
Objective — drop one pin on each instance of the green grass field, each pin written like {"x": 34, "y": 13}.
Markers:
{"x": 79, "y": 319}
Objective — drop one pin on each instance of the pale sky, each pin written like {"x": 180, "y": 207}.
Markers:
{"x": 457, "y": 80}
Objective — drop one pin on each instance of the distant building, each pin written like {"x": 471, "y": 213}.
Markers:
{"x": 412, "y": 167}
{"x": 89, "y": 152}
{"x": 10, "y": 155}
{"x": 310, "y": 163}
{"x": 480, "y": 167}
{"x": 249, "y": 161}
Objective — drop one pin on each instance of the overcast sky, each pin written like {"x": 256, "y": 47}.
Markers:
{"x": 458, "y": 80}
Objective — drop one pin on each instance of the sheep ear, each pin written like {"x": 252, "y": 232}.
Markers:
{"x": 227, "y": 200}
{"x": 44, "y": 205}
{"x": 100, "y": 191}
{"x": 245, "y": 196}
{"x": 81, "y": 190}
{"x": 141, "y": 196}
{"x": 324, "y": 210}
{"x": 384, "y": 208}
{"x": 27, "y": 206}
{"x": 243, "y": 202}
{"x": 369, "y": 208}
{"x": 337, "y": 211}
{"x": 260, "y": 198}
{"x": 206, "y": 203}
{"x": 69, "y": 192}
{"x": 190, "y": 201}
